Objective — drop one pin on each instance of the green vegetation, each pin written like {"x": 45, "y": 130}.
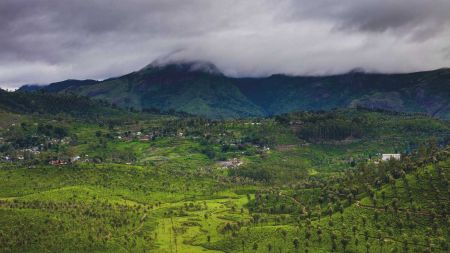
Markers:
{"x": 93, "y": 178}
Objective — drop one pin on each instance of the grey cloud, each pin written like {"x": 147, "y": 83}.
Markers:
{"x": 50, "y": 40}
{"x": 377, "y": 16}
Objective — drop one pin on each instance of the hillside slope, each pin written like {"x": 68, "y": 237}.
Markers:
{"x": 66, "y": 85}
{"x": 427, "y": 92}
{"x": 52, "y": 104}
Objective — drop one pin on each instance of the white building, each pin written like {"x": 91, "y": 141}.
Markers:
{"x": 75, "y": 158}
{"x": 387, "y": 157}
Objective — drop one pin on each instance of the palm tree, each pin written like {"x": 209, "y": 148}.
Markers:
{"x": 405, "y": 247}
{"x": 381, "y": 241}
{"x": 333, "y": 238}
{"x": 284, "y": 234}
{"x": 367, "y": 247}
{"x": 296, "y": 243}
{"x": 269, "y": 247}
{"x": 395, "y": 204}
{"x": 255, "y": 246}
{"x": 319, "y": 234}
{"x": 333, "y": 246}
{"x": 364, "y": 220}
{"x": 330, "y": 223}
{"x": 330, "y": 210}
{"x": 415, "y": 240}
{"x": 307, "y": 235}
{"x": 345, "y": 241}
{"x": 366, "y": 235}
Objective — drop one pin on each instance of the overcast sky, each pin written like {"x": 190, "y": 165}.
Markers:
{"x": 43, "y": 41}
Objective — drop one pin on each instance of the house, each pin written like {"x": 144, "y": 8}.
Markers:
{"x": 386, "y": 157}
{"x": 295, "y": 122}
{"x": 233, "y": 163}
{"x": 145, "y": 138}
{"x": 34, "y": 150}
{"x": 75, "y": 158}
{"x": 57, "y": 162}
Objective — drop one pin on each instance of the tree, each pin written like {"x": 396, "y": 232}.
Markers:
{"x": 256, "y": 218}
{"x": 405, "y": 246}
{"x": 366, "y": 235}
{"x": 415, "y": 240}
{"x": 345, "y": 241}
{"x": 319, "y": 234}
{"x": 333, "y": 246}
{"x": 307, "y": 235}
{"x": 354, "y": 229}
{"x": 333, "y": 238}
{"x": 381, "y": 240}
{"x": 269, "y": 247}
{"x": 284, "y": 234}
{"x": 330, "y": 210}
{"x": 255, "y": 246}
{"x": 296, "y": 243}
{"x": 395, "y": 204}
{"x": 367, "y": 247}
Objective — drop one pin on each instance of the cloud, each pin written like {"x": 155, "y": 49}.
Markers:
{"x": 403, "y": 16}
{"x": 49, "y": 40}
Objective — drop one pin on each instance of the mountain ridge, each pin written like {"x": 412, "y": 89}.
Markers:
{"x": 198, "y": 87}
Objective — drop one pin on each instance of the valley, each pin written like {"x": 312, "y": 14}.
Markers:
{"x": 110, "y": 180}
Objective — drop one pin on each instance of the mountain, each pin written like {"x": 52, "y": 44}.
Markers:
{"x": 30, "y": 87}
{"x": 200, "y": 88}
{"x": 65, "y": 86}
{"x": 53, "y": 103}
{"x": 426, "y": 92}
{"x": 192, "y": 87}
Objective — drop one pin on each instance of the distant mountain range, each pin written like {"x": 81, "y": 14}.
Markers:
{"x": 200, "y": 88}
